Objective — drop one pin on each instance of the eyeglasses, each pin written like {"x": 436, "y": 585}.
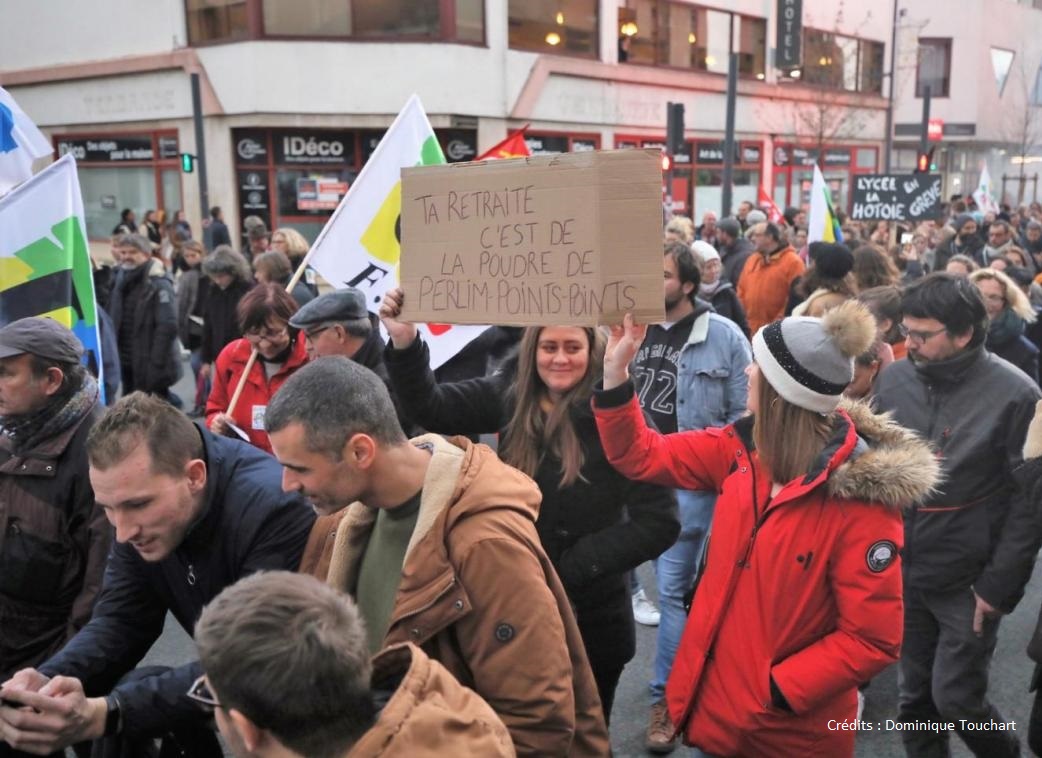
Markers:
{"x": 918, "y": 335}
{"x": 312, "y": 333}
{"x": 259, "y": 335}
{"x": 201, "y": 693}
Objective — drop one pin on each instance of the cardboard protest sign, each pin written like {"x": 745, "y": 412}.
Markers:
{"x": 572, "y": 239}
{"x": 892, "y": 197}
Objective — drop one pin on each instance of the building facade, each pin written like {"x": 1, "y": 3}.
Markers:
{"x": 982, "y": 62}
{"x": 295, "y": 95}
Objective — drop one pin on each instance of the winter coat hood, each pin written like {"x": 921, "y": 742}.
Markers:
{"x": 891, "y": 465}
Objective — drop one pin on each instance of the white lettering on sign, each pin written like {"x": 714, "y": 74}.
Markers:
{"x": 299, "y": 147}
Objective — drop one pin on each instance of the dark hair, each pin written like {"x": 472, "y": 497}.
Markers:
{"x": 215, "y": 212}
{"x": 73, "y": 375}
{"x": 124, "y": 213}
{"x": 172, "y": 438}
{"x": 334, "y": 398}
{"x": 262, "y": 303}
{"x": 953, "y": 300}
{"x": 874, "y": 268}
{"x": 290, "y": 653}
{"x": 885, "y": 303}
{"x": 687, "y": 269}
{"x": 274, "y": 265}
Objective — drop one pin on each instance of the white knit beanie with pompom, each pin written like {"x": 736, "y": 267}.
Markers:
{"x": 810, "y": 361}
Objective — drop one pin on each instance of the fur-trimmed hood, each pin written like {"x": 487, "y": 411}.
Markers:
{"x": 893, "y": 466}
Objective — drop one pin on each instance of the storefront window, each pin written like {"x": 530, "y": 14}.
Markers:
{"x": 839, "y": 62}
{"x": 566, "y": 27}
{"x": 686, "y": 36}
{"x": 216, "y": 20}
{"x": 540, "y": 143}
{"x": 136, "y": 171}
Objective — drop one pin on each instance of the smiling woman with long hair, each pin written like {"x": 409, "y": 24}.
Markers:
{"x": 594, "y": 524}
{"x": 800, "y": 599}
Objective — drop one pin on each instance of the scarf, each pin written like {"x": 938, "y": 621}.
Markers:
{"x": 949, "y": 371}
{"x": 1006, "y": 328}
{"x": 65, "y": 410}
{"x": 708, "y": 290}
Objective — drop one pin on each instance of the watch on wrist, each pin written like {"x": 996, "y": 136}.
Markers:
{"x": 113, "y": 715}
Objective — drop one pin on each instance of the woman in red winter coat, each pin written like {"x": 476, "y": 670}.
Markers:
{"x": 264, "y": 314}
{"x": 800, "y": 600}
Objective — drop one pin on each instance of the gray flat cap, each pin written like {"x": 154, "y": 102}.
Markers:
{"x": 44, "y": 337}
{"x": 347, "y": 304}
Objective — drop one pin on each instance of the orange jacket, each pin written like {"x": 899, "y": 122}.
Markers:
{"x": 764, "y": 286}
{"x": 249, "y": 412}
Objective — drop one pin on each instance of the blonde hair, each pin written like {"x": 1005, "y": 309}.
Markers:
{"x": 296, "y": 244}
{"x": 683, "y": 227}
{"x": 787, "y": 437}
{"x": 1015, "y": 298}
{"x": 533, "y": 432}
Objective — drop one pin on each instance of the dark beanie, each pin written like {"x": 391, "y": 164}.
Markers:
{"x": 834, "y": 262}
{"x": 961, "y": 220}
{"x": 729, "y": 226}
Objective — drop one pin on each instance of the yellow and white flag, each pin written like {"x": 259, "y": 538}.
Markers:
{"x": 360, "y": 244}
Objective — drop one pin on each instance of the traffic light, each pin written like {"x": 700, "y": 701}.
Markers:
{"x": 924, "y": 162}
{"x": 667, "y": 162}
{"x": 187, "y": 162}
{"x": 674, "y": 128}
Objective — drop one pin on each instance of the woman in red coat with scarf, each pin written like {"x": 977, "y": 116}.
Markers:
{"x": 800, "y": 600}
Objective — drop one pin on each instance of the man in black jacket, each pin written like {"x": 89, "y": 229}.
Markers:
{"x": 192, "y": 513}
{"x": 734, "y": 249}
{"x": 969, "y": 548}
{"x": 144, "y": 313}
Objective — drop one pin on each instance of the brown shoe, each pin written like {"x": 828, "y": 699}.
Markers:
{"x": 659, "y": 738}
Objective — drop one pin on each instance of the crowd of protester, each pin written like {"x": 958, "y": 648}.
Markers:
{"x": 800, "y": 448}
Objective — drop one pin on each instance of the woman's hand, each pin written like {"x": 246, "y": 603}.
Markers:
{"x": 403, "y": 333}
{"x": 219, "y": 424}
{"x": 625, "y": 340}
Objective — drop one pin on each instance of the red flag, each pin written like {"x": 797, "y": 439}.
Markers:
{"x": 513, "y": 146}
{"x": 764, "y": 200}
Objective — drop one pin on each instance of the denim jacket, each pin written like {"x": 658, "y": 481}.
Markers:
{"x": 712, "y": 387}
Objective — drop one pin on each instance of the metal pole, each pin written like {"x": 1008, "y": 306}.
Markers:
{"x": 924, "y": 136}
{"x": 890, "y": 95}
{"x": 200, "y": 146}
{"x": 728, "y": 178}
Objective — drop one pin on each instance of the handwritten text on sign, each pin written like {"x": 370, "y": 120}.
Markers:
{"x": 572, "y": 239}
{"x": 892, "y": 197}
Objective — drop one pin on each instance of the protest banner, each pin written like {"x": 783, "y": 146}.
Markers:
{"x": 572, "y": 239}
{"x": 894, "y": 197}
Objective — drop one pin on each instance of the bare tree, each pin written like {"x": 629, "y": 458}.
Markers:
{"x": 1021, "y": 128}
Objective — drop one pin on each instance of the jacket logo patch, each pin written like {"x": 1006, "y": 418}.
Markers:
{"x": 880, "y": 555}
{"x": 504, "y": 633}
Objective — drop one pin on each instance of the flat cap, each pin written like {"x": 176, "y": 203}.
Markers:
{"x": 44, "y": 337}
{"x": 347, "y": 304}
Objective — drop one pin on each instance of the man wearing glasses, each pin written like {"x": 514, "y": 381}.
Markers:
{"x": 192, "y": 513}
{"x": 326, "y": 698}
{"x": 339, "y": 323}
{"x": 970, "y": 547}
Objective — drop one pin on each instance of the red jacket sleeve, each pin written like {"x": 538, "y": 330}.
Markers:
{"x": 217, "y": 402}
{"x": 692, "y": 460}
{"x": 870, "y": 611}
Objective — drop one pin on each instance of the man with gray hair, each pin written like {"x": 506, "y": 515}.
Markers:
{"x": 143, "y": 309}
{"x": 326, "y": 698}
{"x": 339, "y": 323}
{"x": 436, "y": 541}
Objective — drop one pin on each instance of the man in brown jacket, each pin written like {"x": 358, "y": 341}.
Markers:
{"x": 53, "y": 537}
{"x": 325, "y": 697}
{"x": 438, "y": 546}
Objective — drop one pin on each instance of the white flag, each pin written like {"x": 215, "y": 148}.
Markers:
{"x": 360, "y": 244}
{"x": 45, "y": 267}
{"x": 20, "y": 144}
{"x": 983, "y": 195}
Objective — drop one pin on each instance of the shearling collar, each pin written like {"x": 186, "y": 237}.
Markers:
{"x": 894, "y": 467}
